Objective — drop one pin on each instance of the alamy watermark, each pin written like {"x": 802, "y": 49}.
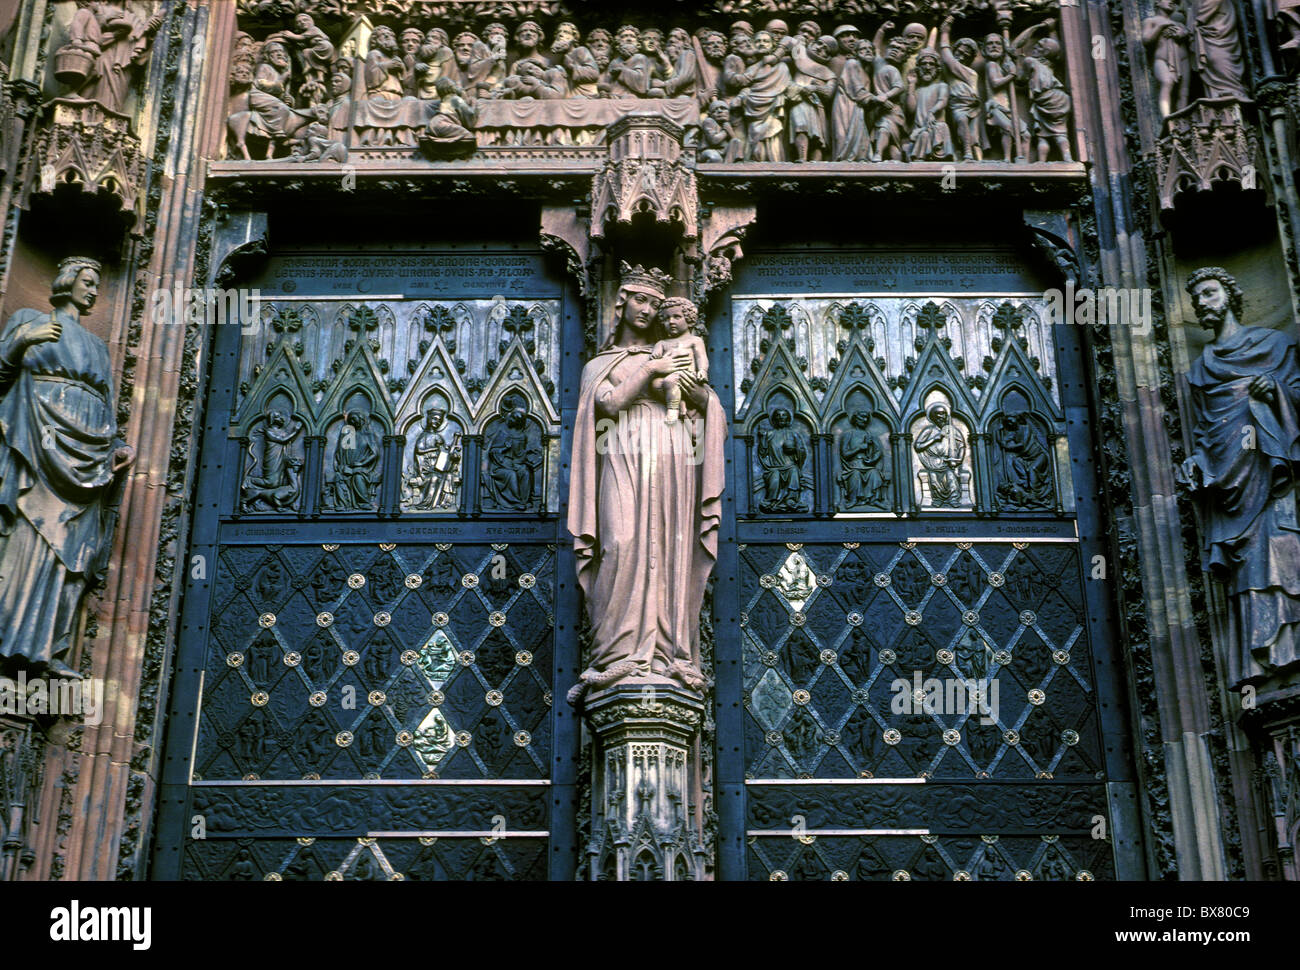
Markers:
{"x": 1108, "y": 306}
{"x": 52, "y": 697}
{"x": 207, "y": 306}
{"x": 949, "y": 696}
{"x": 643, "y": 432}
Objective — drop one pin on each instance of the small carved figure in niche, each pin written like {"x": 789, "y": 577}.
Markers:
{"x": 963, "y": 91}
{"x": 765, "y": 83}
{"x": 863, "y": 477}
{"x": 930, "y": 139}
{"x": 814, "y": 86}
{"x": 1024, "y": 463}
{"x": 105, "y": 40}
{"x": 719, "y": 141}
{"x": 782, "y": 451}
{"x": 682, "y": 78}
{"x": 61, "y": 468}
{"x": 273, "y": 482}
{"x": 315, "y": 55}
{"x": 316, "y": 144}
{"x": 356, "y": 461}
{"x": 433, "y": 479}
{"x": 1219, "y": 61}
{"x": 1049, "y": 104}
{"x": 941, "y": 447}
{"x": 1166, "y": 36}
{"x": 631, "y": 72}
{"x": 999, "y": 89}
{"x": 449, "y": 130}
{"x": 513, "y": 461}
{"x": 678, "y": 316}
{"x": 1248, "y": 381}
{"x": 850, "y": 136}
{"x": 888, "y": 88}
{"x": 579, "y": 64}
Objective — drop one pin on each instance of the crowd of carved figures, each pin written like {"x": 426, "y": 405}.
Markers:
{"x": 759, "y": 95}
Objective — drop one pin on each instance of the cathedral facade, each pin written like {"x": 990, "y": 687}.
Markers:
{"x": 458, "y": 439}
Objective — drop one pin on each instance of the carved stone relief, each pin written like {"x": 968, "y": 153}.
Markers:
{"x": 321, "y": 88}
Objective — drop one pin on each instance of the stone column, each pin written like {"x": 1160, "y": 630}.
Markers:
{"x": 644, "y": 794}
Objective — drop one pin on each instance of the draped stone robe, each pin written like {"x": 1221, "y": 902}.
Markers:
{"x": 644, "y": 513}
{"x": 58, "y": 435}
{"x": 1252, "y": 536}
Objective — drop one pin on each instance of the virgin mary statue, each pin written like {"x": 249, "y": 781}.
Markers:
{"x": 645, "y": 499}
{"x": 60, "y": 468}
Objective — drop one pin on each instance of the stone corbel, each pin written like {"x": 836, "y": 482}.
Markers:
{"x": 647, "y": 172}
{"x": 1054, "y": 234}
{"x": 725, "y": 227}
{"x": 239, "y": 245}
{"x": 1209, "y": 141}
{"x": 564, "y": 231}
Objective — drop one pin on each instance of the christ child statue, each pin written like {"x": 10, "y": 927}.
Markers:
{"x": 678, "y": 316}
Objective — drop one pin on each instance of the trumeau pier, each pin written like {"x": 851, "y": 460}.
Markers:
{"x": 553, "y": 440}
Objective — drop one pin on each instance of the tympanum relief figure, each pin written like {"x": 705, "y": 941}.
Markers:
{"x": 62, "y": 468}
{"x": 941, "y": 447}
{"x": 1023, "y": 464}
{"x": 864, "y": 472}
{"x": 1245, "y": 458}
{"x": 645, "y": 500}
{"x": 782, "y": 455}
{"x": 432, "y": 480}
{"x": 514, "y": 458}
{"x": 357, "y": 456}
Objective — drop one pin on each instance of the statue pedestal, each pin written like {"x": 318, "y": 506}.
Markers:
{"x": 644, "y": 825}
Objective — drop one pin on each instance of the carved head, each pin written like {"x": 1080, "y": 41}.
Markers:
{"x": 896, "y": 51}
{"x": 412, "y": 38}
{"x": 435, "y": 417}
{"x": 276, "y": 54}
{"x": 965, "y": 50}
{"x": 340, "y": 83}
{"x": 678, "y": 41}
{"x": 764, "y": 43}
{"x": 778, "y": 29}
{"x": 1046, "y": 49}
{"x": 742, "y": 27}
{"x": 860, "y": 419}
{"x": 914, "y": 37}
{"x": 714, "y": 45}
{"x": 993, "y": 47}
{"x": 640, "y": 291}
{"x": 808, "y": 30}
{"x": 496, "y": 35}
{"x": 437, "y": 38}
{"x": 76, "y": 282}
{"x": 678, "y": 315}
{"x": 781, "y": 417}
{"x": 601, "y": 44}
{"x": 566, "y": 38}
{"x": 529, "y": 35}
{"x": 742, "y": 45}
{"x": 1215, "y": 294}
{"x": 303, "y": 22}
{"x": 927, "y": 65}
{"x": 383, "y": 39}
{"x": 719, "y": 111}
{"x": 629, "y": 41}
{"x": 652, "y": 40}
{"x": 463, "y": 48}
{"x": 823, "y": 48}
{"x": 848, "y": 37}
{"x": 937, "y": 413}
{"x": 241, "y": 75}
{"x": 863, "y": 50}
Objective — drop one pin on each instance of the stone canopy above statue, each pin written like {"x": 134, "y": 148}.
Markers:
{"x": 378, "y": 80}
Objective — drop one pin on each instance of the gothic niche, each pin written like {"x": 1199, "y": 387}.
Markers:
{"x": 941, "y": 456}
{"x": 431, "y": 474}
{"x": 513, "y": 456}
{"x": 862, "y": 455}
{"x": 783, "y": 456}
{"x": 354, "y": 454}
{"x": 318, "y": 87}
{"x": 275, "y": 457}
{"x": 1023, "y": 457}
